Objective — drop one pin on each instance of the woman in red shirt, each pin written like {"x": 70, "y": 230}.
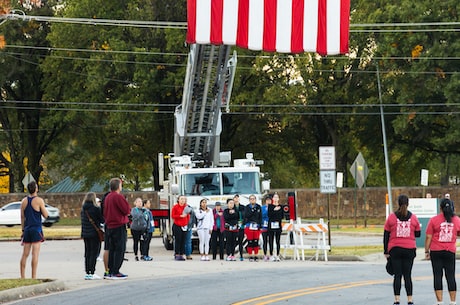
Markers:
{"x": 401, "y": 229}
{"x": 440, "y": 248}
{"x": 180, "y": 214}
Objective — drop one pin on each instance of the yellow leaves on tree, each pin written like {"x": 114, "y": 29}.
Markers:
{"x": 416, "y": 51}
{"x": 105, "y": 46}
{"x": 5, "y": 7}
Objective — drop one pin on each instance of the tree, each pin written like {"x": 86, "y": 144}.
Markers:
{"x": 27, "y": 125}
{"x": 419, "y": 74}
{"x": 125, "y": 79}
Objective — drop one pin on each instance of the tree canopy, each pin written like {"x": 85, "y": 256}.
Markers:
{"x": 94, "y": 101}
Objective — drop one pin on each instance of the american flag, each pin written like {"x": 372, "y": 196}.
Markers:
{"x": 287, "y": 26}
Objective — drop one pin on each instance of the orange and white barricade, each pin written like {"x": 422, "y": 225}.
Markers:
{"x": 298, "y": 230}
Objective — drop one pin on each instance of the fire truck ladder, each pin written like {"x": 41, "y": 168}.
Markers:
{"x": 207, "y": 89}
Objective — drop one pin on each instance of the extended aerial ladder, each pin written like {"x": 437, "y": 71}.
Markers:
{"x": 207, "y": 89}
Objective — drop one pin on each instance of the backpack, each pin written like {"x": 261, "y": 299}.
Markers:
{"x": 139, "y": 223}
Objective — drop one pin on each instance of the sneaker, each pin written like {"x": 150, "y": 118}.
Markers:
{"x": 273, "y": 258}
{"x": 266, "y": 258}
{"x": 96, "y": 277}
{"x": 119, "y": 276}
{"x": 107, "y": 275}
{"x": 241, "y": 258}
{"x": 136, "y": 259}
{"x": 229, "y": 258}
{"x": 251, "y": 259}
{"x": 189, "y": 257}
{"x": 148, "y": 258}
{"x": 206, "y": 258}
{"x": 233, "y": 258}
{"x": 277, "y": 258}
{"x": 179, "y": 258}
{"x": 256, "y": 259}
{"x": 99, "y": 259}
{"x": 88, "y": 277}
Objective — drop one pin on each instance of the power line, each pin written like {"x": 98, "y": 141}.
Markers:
{"x": 133, "y": 108}
{"x": 20, "y": 15}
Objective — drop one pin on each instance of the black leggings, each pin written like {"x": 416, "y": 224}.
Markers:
{"x": 443, "y": 261}
{"x": 274, "y": 235}
{"x": 136, "y": 240}
{"x": 179, "y": 240}
{"x": 403, "y": 260}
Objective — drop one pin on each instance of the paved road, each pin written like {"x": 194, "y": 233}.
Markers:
{"x": 164, "y": 281}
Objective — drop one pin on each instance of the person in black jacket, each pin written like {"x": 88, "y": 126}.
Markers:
{"x": 240, "y": 236}
{"x": 253, "y": 223}
{"x": 91, "y": 216}
{"x": 275, "y": 216}
{"x": 231, "y": 218}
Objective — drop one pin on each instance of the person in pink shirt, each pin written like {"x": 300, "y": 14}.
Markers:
{"x": 440, "y": 248}
{"x": 400, "y": 231}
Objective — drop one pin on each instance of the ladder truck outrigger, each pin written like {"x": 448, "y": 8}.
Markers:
{"x": 197, "y": 168}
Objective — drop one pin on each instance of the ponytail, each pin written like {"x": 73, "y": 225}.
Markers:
{"x": 403, "y": 202}
{"x": 447, "y": 208}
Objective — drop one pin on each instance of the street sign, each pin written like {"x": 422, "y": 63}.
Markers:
{"x": 326, "y": 157}
{"x": 327, "y": 182}
{"x": 339, "y": 183}
{"x": 27, "y": 179}
{"x": 359, "y": 170}
{"x": 424, "y": 177}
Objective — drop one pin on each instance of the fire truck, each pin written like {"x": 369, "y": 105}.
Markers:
{"x": 197, "y": 168}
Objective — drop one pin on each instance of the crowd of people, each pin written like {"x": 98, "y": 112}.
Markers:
{"x": 224, "y": 230}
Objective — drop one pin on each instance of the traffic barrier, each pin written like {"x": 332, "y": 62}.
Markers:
{"x": 295, "y": 238}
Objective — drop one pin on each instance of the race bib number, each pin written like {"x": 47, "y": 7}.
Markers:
{"x": 275, "y": 225}
{"x": 253, "y": 226}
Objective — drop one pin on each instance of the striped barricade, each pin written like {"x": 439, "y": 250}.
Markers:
{"x": 298, "y": 230}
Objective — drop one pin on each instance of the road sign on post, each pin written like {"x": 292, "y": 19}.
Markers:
{"x": 28, "y": 178}
{"x": 327, "y": 182}
{"x": 359, "y": 170}
{"x": 327, "y": 170}
{"x": 326, "y": 157}
{"x": 424, "y": 177}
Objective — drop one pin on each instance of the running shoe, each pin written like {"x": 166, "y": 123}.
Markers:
{"x": 88, "y": 277}
{"x": 96, "y": 277}
{"x": 107, "y": 275}
{"x": 119, "y": 276}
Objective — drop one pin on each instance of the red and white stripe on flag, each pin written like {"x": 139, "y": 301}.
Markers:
{"x": 288, "y": 26}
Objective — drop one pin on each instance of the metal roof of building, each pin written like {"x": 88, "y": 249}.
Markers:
{"x": 68, "y": 185}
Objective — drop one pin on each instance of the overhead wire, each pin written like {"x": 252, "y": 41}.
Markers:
{"x": 354, "y": 28}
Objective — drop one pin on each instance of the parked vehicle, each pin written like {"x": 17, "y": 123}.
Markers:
{"x": 10, "y": 215}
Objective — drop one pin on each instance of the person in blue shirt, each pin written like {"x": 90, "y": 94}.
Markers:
{"x": 32, "y": 210}
{"x": 264, "y": 228}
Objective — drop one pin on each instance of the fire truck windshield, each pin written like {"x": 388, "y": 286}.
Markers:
{"x": 220, "y": 183}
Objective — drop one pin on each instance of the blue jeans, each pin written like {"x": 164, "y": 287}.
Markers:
{"x": 188, "y": 243}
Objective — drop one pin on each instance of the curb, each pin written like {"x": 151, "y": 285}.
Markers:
{"x": 14, "y": 294}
